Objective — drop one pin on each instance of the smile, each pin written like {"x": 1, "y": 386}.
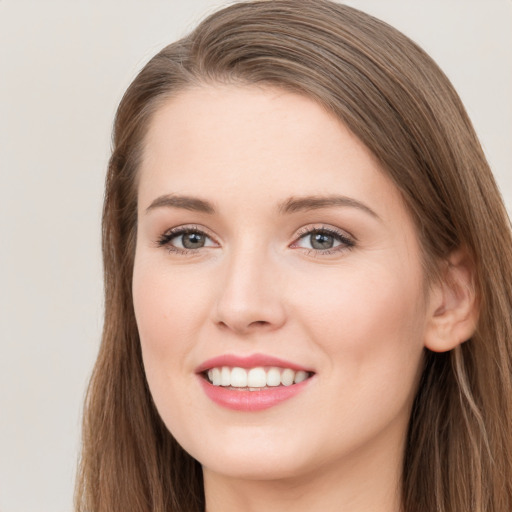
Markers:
{"x": 252, "y": 383}
{"x": 255, "y": 379}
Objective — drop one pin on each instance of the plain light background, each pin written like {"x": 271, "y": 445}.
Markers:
{"x": 63, "y": 68}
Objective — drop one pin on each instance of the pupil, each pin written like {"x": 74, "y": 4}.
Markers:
{"x": 322, "y": 241}
{"x": 193, "y": 240}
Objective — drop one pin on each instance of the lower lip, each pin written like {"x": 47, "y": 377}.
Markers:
{"x": 244, "y": 400}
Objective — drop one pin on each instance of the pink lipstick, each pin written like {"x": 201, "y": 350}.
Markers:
{"x": 252, "y": 383}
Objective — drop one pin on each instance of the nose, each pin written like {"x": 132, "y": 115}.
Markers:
{"x": 251, "y": 295}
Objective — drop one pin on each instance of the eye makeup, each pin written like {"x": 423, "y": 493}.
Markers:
{"x": 322, "y": 240}
{"x": 317, "y": 239}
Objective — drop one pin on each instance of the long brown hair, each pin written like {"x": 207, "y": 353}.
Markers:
{"x": 399, "y": 103}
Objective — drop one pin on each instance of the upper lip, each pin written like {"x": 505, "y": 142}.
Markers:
{"x": 247, "y": 362}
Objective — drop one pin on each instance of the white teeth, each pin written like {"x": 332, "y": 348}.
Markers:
{"x": 273, "y": 377}
{"x": 214, "y": 376}
{"x": 300, "y": 376}
{"x": 238, "y": 378}
{"x": 255, "y": 378}
{"x": 287, "y": 377}
{"x": 225, "y": 376}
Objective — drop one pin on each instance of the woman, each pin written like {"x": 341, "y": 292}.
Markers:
{"x": 308, "y": 279}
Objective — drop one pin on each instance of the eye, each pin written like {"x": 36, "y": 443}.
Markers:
{"x": 323, "y": 240}
{"x": 184, "y": 239}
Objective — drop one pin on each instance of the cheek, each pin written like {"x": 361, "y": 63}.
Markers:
{"x": 370, "y": 317}
{"x": 168, "y": 319}
{"x": 369, "y": 328}
{"x": 167, "y": 315}
{"x": 167, "y": 306}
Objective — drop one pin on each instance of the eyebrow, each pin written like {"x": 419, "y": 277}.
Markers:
{"x": 299, "y": 204}
{"x": 183, "y": 202}
{"x": 291, "y": 205}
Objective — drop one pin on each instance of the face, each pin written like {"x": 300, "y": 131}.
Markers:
{"x": 278, "y": 286}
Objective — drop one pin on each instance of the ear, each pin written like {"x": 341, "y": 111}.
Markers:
{"x": 453, "y": 306}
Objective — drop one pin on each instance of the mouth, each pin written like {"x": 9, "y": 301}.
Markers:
{"x": 252, "y": 383}
{"x": 254, "y": 379}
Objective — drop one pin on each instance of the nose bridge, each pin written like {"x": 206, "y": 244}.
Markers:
{"x": 249, "y": 297}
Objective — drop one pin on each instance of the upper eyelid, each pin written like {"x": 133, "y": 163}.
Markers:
{"x": 165, "y": 238}
{"x": 300, "y": 233}
{"x": 304, "y": 230}
{"x": 189, "y": 228}
{"x": 311, "y": 228}
{"x": 348, "y": 241}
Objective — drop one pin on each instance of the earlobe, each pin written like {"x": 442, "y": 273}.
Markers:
{"x": 453, "y": 312}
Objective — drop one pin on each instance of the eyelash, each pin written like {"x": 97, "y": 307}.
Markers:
{"x": 346, "y": 242}
{"x": 166, "y": 238}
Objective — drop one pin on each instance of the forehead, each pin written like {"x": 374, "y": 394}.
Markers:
{"x": 256, "y": 142}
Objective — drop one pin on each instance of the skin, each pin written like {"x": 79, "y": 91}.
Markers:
{"x": 358, "y": 316}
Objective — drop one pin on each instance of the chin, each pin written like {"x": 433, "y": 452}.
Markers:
{"x": 253, "y": 454}
{"x": 247, "y": 467}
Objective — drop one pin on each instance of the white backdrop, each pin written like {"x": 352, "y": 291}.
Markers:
{"x": 63, "y": 68}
